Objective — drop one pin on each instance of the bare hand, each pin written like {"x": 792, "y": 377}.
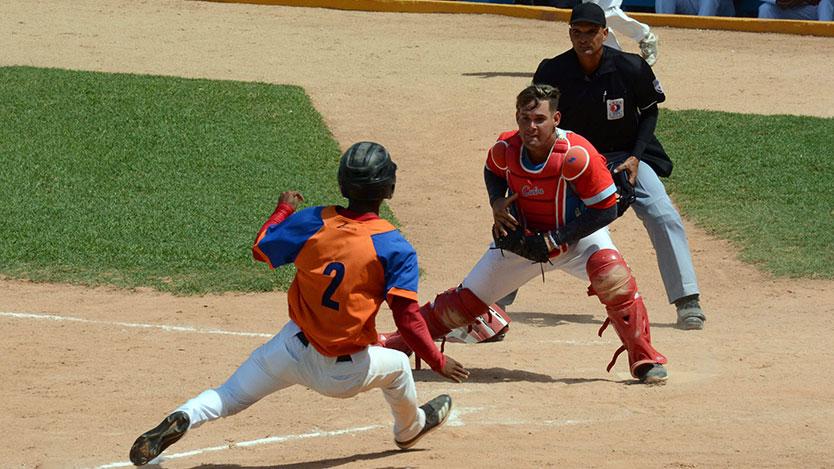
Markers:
{"x": 502, "y": 217}
{"x": 630, "y": 166}
{"x": 454, "y": 370}
{"x": 292, "y": 198}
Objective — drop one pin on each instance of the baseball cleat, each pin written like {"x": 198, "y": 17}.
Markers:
{"x": 648, "y": 48}
{"x": 153, "y": 442}
{"x": 690, "y": 315}
{"x": 437, "y": 411}
{"x": 652, "y": 374}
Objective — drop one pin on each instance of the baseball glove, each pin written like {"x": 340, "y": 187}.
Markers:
{"x": 533, "y": 246}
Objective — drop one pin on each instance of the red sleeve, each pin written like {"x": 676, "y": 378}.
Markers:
{"x": 496, "y": 161}
{"x": 588, "y": 173}
{"x": 414, "y": 330}
{"x": 282, "y": 211}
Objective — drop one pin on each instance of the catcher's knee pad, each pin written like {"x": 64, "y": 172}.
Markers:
{"x": 451, "y": 309}
{"x": 610, "y": 277}
{"x": 612, "y": 282}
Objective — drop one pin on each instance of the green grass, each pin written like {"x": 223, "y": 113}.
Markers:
{"x": 766, "y": 183}
{"x": 142, "y": 181}
{"x": 151, "y": 181}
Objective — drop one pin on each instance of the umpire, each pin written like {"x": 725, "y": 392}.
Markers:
{"x": 610, "y": 97}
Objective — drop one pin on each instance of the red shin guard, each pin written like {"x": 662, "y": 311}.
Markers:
{"x": 613, "y": 284}
{"x": 451, "y": 309}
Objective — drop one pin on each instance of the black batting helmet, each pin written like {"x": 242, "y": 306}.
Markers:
{"x": 366, "y": 172}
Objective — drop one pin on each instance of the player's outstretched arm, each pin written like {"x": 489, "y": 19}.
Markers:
{"x": 288, "y": 202}
{"x": 292, "y": 198}
{"x": 414, "y": 330}
{"x": 453, "y": 370}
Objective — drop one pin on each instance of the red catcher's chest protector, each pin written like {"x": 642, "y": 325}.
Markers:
{"x": 542, "y": 192}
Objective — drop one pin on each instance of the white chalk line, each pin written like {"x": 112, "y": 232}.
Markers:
{"x": 162, "y": 327}
{"x": 197, "y": 330}
{"x": 454, "y": 418}
{"x": 454, "y": 421}
{"x": 244, "y": 444}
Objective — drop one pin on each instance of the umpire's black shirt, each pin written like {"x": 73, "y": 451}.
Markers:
{"x": 605, "y": 107}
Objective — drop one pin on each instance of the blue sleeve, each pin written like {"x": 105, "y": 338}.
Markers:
{"x": 399, "y": 261}
{"x": 283, "y": 241}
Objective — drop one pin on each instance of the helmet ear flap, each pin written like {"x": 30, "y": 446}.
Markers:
{"x": 366, "y": 172}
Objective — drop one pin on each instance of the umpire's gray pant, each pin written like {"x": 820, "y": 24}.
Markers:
{"x": 663, "y": 223}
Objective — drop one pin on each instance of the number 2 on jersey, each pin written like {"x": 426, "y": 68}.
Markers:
{"x": 326, "y": 299}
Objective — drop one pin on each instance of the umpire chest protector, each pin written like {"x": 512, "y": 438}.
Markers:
{"x": 545, "y": 199}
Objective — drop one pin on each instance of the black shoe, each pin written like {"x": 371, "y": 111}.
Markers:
{"x": 690, "y": 315}
{"x": 437, "y": 411}
{"x": 153, "y": 442}
{"x": 653, "y": 373}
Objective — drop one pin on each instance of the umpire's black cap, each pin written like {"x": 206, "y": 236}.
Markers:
{"x": 588, "y": 13}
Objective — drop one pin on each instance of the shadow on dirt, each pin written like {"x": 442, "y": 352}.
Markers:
{"x": 550, "y": 320}
{"x": 334, "y": 462}
{"x": 502, "y": 375}
{"x": 498, "y": 74}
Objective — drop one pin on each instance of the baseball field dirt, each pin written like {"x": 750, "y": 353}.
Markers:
{"x": 87, "y": 370}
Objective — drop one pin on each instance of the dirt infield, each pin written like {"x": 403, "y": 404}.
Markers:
{"x": 751, "y": 390}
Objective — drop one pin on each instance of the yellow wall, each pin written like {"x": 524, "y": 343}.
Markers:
{"x": 810, "y": 28}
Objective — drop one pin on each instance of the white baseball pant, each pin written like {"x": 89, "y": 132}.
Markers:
{"x": 617, "y": 19}
{"x": 284, "y": 361}
{"x": 499, "y": 273}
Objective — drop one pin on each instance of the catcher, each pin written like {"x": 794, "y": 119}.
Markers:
{"x": 552, "y": 197}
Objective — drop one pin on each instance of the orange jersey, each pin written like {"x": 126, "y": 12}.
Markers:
{"x": 345, "y": 269}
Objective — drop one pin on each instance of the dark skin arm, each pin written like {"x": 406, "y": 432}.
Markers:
{"x": 293, "y": 198}
{"x": 453, "y": 370}
{"x": 645, "y": 130}
{"x": 630, "y": 166}
{"x": 497, "y": 190}
{"x": 502, "y": 218}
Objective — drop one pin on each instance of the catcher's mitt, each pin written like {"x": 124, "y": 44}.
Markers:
{"x": 533, "y": 246}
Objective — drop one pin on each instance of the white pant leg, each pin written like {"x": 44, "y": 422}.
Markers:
{"x": 390, "y": 371}
{"x": 606, "y": 4}
{"x": 575, "y": 260}
{"x": 617, "y": 19}
{"x": 497, "y": 274}
{"x": 665, "y": 227}
{"x": 271, "y": 367}
{"x": 284, "y": 361}
{"x": 374, "y": 367}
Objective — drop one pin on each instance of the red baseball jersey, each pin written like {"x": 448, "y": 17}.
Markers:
{"x": 345, "y": 269}
{"x": 551, "y": 194}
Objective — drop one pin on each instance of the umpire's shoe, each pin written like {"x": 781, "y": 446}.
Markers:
{"x": 153, "y": 442}
{"x": 437, "y": 411}
{"x": 690, "y": 314}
